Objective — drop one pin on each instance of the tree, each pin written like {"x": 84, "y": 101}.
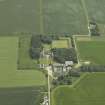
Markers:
{"x": 62, "y": 54}
{"x": 35, "y": 53}
{"x": 46, "y": 39}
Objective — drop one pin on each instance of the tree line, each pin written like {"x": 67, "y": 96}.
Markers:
{"x": 92, "y": 68}
{"x": 37, "y": 42}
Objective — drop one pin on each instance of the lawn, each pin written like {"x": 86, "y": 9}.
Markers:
{"x": 24, "y": 60}
{"x": 20, "y": 16}
{"x": 60, "y": 43}
{"x": 90, "y": 91}
{"x": 92, "y": 50}
{"x": 9, "y": 75}
{"x": 64, "y": 17}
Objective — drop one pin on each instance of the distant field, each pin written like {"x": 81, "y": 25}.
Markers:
{"x": 92, "y": 50}
{"x": 50, "y": 17}
{"x": 64, "y": 17}
{"x": 63, "y": 43}
{"x": 90, "y": 91}
{"x": 9, "y": 75}
{"x": 19, "y": 16}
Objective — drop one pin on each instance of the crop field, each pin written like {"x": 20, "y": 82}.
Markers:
{"x": 19, "y": 16}
{"x": 89, "y": 91}
{"x": 64, "y": 17}
{"x": 19, "y": 96}
{"x": 96, "y": 10}
{"x": 63, "y": 43}
{"x": 92, "y": 50}
{"x": 9, "y": 75}
{"x": 50, "y": 17}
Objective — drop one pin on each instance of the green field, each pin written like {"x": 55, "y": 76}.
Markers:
{"x": 64, "y": 17}
{"x": 24, "y": 59}
{"x": 63, "y": 43}
{"x": 19, "y": 96}
{"x": 50, "y": 17}
{"x": 91, "y": 50}
{"x": 19, "y": 16}
{"x": 90, "y": 91}
{"x": 96, "y": 9}
{"x": 9, "y": 75}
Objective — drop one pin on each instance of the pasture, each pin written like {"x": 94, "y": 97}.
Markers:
{"x": 90, "y": 91}
{"x": 9, "y": 75}
{"x": 91, "y": 49}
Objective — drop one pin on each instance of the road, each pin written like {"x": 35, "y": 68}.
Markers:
{"x": 49, "y": 87}
{"x": 49, "y": 73}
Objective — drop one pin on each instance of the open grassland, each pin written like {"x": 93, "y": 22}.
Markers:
{"x": 19, "y": 16}
{"x": 24, "y": 60}
{"x": 64, "y": 17}
{"x": 20, "y": 96}
{"x": 92, "y": 50}
{"x": 9, "y": 75}
{"x": 90, "y": 91}
{"x": 63, "y": 43}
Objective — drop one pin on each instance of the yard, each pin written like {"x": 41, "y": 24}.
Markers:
{"x": 90, "y": 91}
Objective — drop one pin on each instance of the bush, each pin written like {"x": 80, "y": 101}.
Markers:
{"x": 74, "y": 73}
{"x": 46, "y": 39}
{"x": 62, "y": 80}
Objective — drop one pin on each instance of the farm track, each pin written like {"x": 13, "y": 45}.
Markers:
{"x": 76, "y": 49}
{"x": 85, "y": 10}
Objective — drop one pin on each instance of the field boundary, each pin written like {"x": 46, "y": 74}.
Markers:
{"x": 41, "y": 17}
{"x": 79, "y": 80}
